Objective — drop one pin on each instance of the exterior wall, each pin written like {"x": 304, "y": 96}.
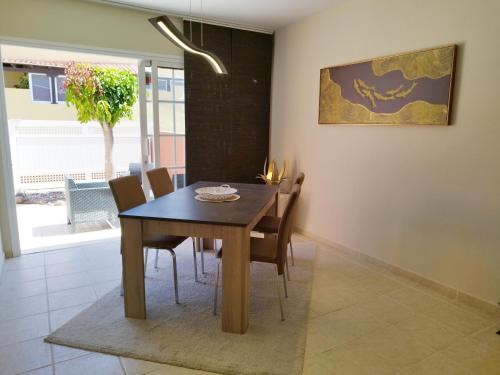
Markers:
{"x": 11, "y": 78}
{"x": 426, "y": 199}
{"x": 40, "y": 133}
{"x": 85, "y": 24}
{"x": 21, "y": 107}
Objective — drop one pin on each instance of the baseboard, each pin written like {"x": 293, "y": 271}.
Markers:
{"x": 449, "y": 292}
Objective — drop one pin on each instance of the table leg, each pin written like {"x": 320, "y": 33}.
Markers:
{"x": 133, "y": 269}
{"x": 235, "y": 279}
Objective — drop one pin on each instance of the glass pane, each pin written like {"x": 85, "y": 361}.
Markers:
{"x": 180, "y": 147}
{"x": 166, "y": 118}
{"x": 40, "y": 87}
{"x": 167, "y": 152}
{"x": 165, "y": 91}
{"x": 180, "y": 124}
{"x": 61, "y": 90}
{"x": 179, "y": 85}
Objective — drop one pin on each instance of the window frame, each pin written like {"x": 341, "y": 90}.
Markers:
{"x": 30, "y": 75}
{"x": 56, "y": 95}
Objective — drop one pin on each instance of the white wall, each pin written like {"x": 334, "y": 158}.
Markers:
{"x": 85, "y": 24}
{"x": 426, "y": 199}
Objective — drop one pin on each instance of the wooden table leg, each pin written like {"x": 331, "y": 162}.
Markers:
{"x": 133, "y": 269}
{"x": 235, "y": 279}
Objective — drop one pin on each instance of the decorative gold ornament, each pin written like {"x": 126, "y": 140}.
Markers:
{"x": 272, "y": 176}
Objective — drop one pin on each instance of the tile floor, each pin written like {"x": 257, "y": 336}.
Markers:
{"x": 363, "y": 320}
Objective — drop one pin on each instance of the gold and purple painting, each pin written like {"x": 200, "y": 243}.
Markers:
{"x": 413, "y": 88}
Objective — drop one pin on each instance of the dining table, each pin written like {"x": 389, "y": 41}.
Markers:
{"x": 180, "y": 214}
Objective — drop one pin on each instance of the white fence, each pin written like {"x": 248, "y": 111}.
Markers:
{"x": 44, "y": 151}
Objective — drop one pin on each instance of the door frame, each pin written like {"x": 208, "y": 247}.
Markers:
{"x": 8, "y": 213}
{"x": 154, "y": 64}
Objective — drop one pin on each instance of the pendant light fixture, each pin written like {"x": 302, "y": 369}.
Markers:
{"x": 168, "y": 29}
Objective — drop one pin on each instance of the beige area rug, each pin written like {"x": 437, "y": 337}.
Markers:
{"x": 188, "y": 335}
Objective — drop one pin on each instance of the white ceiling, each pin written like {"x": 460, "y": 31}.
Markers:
{"x": 267, "y": 15}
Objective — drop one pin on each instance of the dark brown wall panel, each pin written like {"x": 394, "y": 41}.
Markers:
{"x": 227, "y": 117}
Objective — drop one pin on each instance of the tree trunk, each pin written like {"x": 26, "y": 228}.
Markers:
{"x": 109, "y": 141}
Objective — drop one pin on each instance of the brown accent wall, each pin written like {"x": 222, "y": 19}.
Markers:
{"x": 227, "y": 117}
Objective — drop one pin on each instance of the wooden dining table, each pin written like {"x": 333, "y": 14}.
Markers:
{"x": 180, "y": 214}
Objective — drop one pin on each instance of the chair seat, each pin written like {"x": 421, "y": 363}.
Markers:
{"x": 163, "y": 241}
{"x": 268, "y": 224}
{"x": 261, "y": 250}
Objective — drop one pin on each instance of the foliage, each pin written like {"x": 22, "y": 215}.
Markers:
{"x": 106, "y": 95}
{"x": 24, "y": 82}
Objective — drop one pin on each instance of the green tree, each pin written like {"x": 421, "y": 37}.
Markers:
{"x": 106, "y": 95}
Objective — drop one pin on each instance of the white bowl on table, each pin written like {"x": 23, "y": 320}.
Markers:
{"x": 216, "y": 193}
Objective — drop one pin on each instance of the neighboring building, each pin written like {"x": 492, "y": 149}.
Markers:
{"x": 48, "y": 142}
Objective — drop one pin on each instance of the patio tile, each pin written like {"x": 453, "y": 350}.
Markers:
{"x": 460, "y": 319}
{"x": 24, "y": 262}
{"x": 106, "y": 274}
{"x": 65, "y": 353}
{"x": 74, "y": 280}
{"x": 137, "y": 367}
{"x": 18, "y": 330}
{"x": 60, "y": 317}
{"x": 23, "y": 307}
{"x": 62, "y": 269}
{"x": 22, "y": 290}
{"x": 64, "y": 256}
{"x": 24, "y": 356}
{"x": 93, "y": 364}
{"x": 71, "y": 297}
{"x": 436, "y": 364}
{"x": 429, "y": 332}
{"x": 48, "y": 370}
{"x": 395, "y": 347}
{"x": 102, "y": 289}
{"x": 343, "y": 326}
{"x": 23, "y": 275}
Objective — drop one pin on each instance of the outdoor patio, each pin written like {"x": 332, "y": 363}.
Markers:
{"x": 45, "y": 227}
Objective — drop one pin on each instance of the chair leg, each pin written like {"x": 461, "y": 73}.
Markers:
{"x": 291, "y": 252}
{"x": 202, "y": 253}
{"x": 278, "y": 289}
{"x": 156, "y": 259}
{"x": 195, "y": 262}
{"x": 174, "y": 264}
{"x": 287, "y": 270}
{"x": 146, "y": 253}
{"x": 216, "y": 288}
{"x": 284, "y": 285}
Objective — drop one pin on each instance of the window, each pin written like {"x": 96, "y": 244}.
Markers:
{"x": 171, "y": 122}
{"x": 41, "y": 88}
{"x": 60, "y": 90}
{"x": 47, "y": 88}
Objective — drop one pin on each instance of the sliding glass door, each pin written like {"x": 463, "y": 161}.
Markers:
{"x": 161, "y": 95}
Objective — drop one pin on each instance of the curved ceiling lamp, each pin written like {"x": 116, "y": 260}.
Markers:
{"x": 168, "y": 29}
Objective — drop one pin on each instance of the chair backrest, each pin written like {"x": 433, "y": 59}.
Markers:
{"x": 127, "y": 192}
{"x": 286, "y": 224}
{"x": 300, "y": 178}
{"x": 160, "y": 182}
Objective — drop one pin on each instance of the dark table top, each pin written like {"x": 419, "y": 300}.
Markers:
{"x": 182, "y": 206}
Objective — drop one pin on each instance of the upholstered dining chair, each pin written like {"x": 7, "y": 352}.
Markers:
{"x": 270, "y": 224}
{"x": 128, "y": 193}
{"x": 161, "y": 184}
{"x": 270, "y": 250}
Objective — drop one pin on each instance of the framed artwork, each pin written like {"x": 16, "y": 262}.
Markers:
{"x": 413, "y": 88}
